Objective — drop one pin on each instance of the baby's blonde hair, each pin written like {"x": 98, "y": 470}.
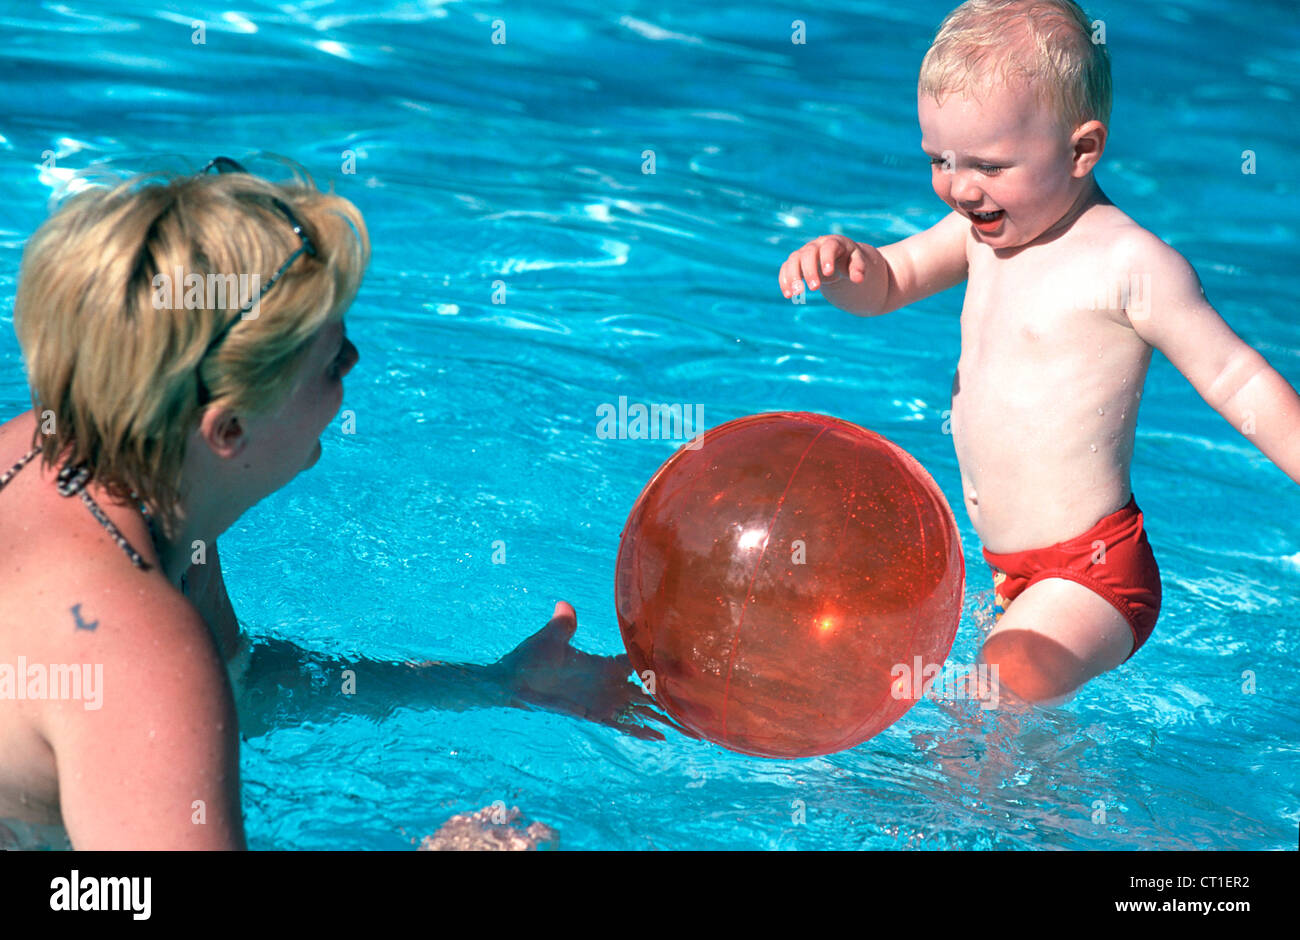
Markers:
{"x": 1045, "y": 43}
{"x": 117, "y": 374}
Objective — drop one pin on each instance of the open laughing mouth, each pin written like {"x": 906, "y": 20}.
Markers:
{"x": 987, "y": 221}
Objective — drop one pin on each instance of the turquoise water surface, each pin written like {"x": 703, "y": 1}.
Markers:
{"x": 521, "y": 163}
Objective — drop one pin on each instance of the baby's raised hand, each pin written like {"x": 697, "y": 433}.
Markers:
{"x": 823, "y": 260}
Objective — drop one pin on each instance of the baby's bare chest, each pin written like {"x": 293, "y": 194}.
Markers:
{"x": 1041, "y": 325}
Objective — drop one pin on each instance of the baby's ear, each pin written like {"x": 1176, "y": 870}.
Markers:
{"x": 1088, "y": 142}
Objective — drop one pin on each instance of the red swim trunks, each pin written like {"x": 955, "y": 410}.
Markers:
{"x": 1112, "y": 559}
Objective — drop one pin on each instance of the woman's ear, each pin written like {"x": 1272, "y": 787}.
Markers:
{"x": 223, "y": 432}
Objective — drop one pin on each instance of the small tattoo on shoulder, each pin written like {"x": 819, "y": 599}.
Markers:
{"x": 81, "y": 624}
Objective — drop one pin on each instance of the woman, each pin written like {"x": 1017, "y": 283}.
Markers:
{"x": 185, "y": 347}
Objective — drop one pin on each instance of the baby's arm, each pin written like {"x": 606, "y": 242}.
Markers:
{"x": 1232, "y": 377}
{"x": 870, "y": 281}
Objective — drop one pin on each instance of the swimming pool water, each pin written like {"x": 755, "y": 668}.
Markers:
{"x": 476, "y": 422}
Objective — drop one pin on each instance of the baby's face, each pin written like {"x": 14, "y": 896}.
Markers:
{"x": 1001, "y": 153}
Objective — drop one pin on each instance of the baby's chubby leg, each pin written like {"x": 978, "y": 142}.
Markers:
{"x": 1054, "y": 637}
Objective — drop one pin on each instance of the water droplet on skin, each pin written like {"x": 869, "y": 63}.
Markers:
{"x": 1092, "y": 447}
{"x": 1100, "y": 411}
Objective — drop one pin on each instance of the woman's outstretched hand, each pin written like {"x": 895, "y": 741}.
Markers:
{"x": 546, "y": 671}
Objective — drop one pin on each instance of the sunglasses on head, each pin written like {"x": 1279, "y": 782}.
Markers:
{"x": 227, "y": 165}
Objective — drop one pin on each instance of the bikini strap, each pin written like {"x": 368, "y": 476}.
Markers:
{"x": 22, "y": 462}
{"x": 72, "y": 481}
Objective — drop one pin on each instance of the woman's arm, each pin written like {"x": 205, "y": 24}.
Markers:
{"x": 282, "y": 683}
{"x": 285, "y": 684}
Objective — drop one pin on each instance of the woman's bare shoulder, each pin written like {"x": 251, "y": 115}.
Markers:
{"x": 136, "y": 628}
{"x": 153, "y": 736}
{"x": 18, "y": 426}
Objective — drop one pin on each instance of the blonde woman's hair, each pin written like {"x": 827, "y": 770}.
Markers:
{"x": 1045, "y": 43}
{"x": 116, "y": 366}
